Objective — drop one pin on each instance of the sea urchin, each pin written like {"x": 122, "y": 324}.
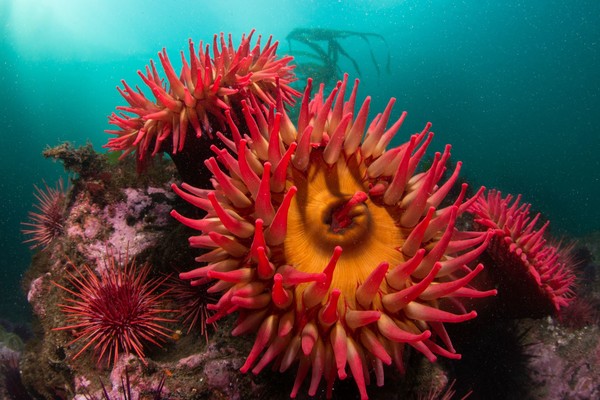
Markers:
{"x": 46, "y": 223}
{"x": 193, "y": 303}
{"x": 118, "y": 311}
{"x": 333, "y": 249}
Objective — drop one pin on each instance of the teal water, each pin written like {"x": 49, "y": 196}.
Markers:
{"x": 514, "y": 86}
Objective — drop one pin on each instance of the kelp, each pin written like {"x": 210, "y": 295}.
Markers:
{"x": 324, "y": 51}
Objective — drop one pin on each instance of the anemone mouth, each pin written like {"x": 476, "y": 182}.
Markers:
{"x": 330, "y": 209}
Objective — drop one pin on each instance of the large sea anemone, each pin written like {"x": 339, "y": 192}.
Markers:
{"x": 535, "y": 278}
{"x": 334, "y": 249}
{"x": 209, "y": 91}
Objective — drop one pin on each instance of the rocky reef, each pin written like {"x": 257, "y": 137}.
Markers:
{"x": 115, "y": 208}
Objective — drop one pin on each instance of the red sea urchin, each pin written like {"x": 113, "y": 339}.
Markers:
{"x": 193, "y": 303}
{"x": 47, "y": 223}
{"x": 207, "y": 93}
{"x": 118, "y": 311}
{"x": 537, "y": 275}
{"x": 330, "y": 246}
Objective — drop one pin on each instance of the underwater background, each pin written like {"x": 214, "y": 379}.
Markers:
{"x": 514, "y": 86}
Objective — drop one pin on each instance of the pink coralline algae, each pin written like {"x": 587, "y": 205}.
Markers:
{"x": 37, "y": 292}
{"x": 133, "y": 222}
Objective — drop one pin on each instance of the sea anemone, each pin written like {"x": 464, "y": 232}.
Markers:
{"x": 206, "y": 94}
{"x": 47, "y": 222}
{"x": 333, "y": 249}
{"x": 538, "y": 276}
{"x": 118, "y": 311}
